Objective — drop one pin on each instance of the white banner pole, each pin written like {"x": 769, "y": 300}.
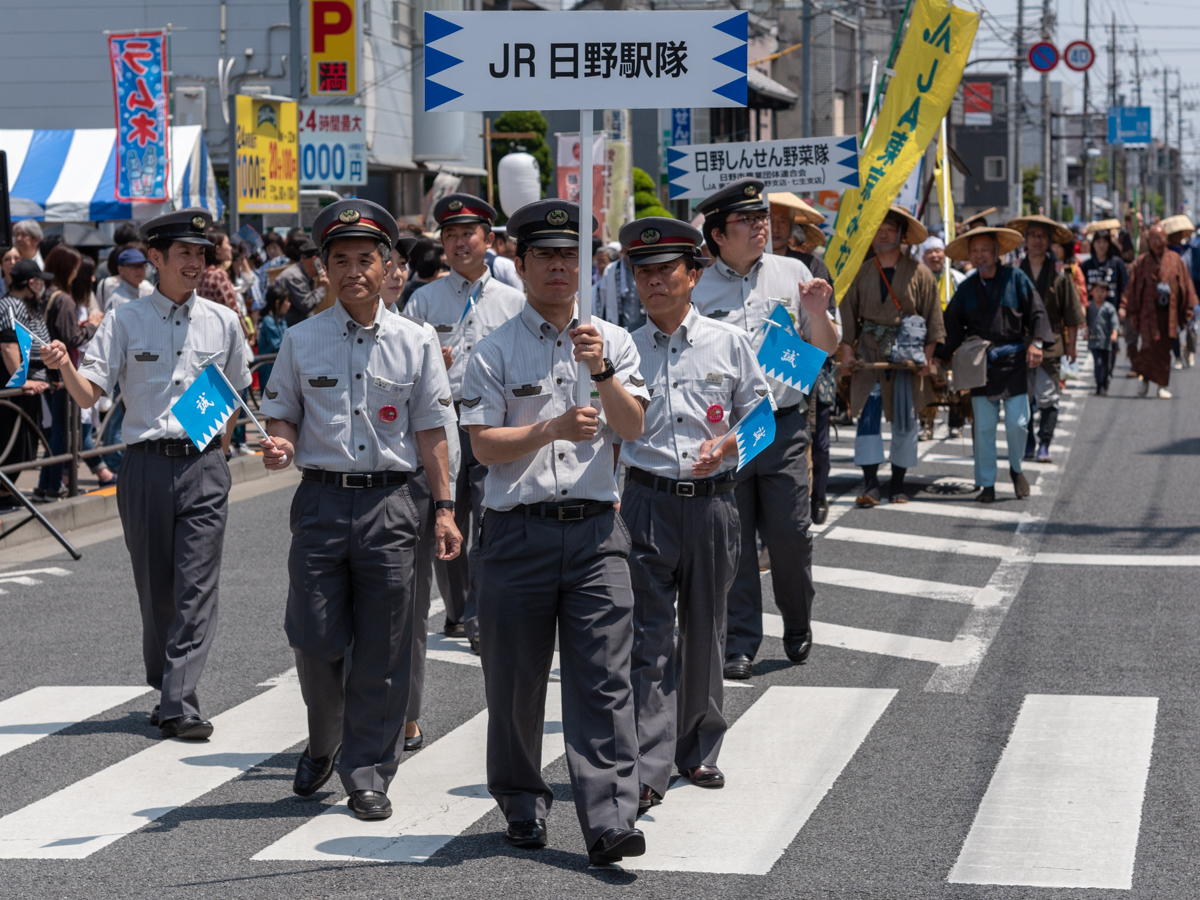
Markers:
{"x": 583, "y": 394}
{"x": 947, "y": 219}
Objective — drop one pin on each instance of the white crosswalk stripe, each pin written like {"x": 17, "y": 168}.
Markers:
{"x": 36, "y": 713}
{"x": 920, "y": 542}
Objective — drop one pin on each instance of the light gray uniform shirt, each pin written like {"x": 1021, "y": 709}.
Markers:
{"x": 154, "y": 349}
{"x": 358, "y": 394}
{"x": 525, "y": 372}
{"x": 703, "y": 372}
{"x": 747, "y": 300}
{"x": 441, "y": 304}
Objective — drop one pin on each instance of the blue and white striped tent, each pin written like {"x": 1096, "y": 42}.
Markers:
{"x": 69, "y": 175}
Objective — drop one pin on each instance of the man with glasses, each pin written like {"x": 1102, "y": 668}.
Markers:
{"x": 305, "y": 283}
{"x": 742, "y": 287}
{"x": 464, "y": 307}
{"x": 553, "y": 549}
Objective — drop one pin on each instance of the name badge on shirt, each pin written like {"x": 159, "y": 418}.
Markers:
{"x": 391, "y": 387}
{"x": 714, "y": 378}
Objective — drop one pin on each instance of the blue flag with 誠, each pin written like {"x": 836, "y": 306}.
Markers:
{"x": 205, "y": 407}
{"x": 25, "y": 342}
{"x": 755, "y": 432}
{"x": 785, "y": 356}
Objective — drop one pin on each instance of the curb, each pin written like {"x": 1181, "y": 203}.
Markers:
{"x": 101, "y": 506}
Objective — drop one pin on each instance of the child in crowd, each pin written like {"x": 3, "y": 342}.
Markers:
{"x": 1102, "y": 325}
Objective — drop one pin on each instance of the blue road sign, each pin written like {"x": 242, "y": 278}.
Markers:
{"x": 1043, "y": 56}
{"x": 1129, "y": 125}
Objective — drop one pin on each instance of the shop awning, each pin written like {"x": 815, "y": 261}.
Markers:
{"x": 766, "y": 93}
{"x": 69, "y": 175}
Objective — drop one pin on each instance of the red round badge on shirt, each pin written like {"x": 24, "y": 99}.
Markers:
{"x": 387, "y": 414}
{"x": 716, "y": 413}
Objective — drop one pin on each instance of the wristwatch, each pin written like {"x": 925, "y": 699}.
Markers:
{"x": 609, "y": 371}
{"x": 443, "y": 504}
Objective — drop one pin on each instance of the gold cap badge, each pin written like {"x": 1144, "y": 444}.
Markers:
{"x": 557, "y": 217}
{"x": 349, "y": 216}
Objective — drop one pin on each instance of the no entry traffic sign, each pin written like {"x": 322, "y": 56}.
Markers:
{"x": 1079, "y": 56}
{"x": 1043, "y": 56}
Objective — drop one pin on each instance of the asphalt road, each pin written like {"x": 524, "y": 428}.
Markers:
{"x": 904, "y": 794}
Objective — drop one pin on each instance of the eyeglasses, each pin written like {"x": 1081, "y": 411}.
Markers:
{"x": 568, "y": 253}
{"x": 755, "y": 221}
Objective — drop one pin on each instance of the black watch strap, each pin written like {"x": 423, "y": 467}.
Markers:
{"x": 443, "y": 504}
{"x": 609, "y": 371}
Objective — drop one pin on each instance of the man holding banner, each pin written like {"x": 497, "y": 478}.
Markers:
{"x": 680, "y": 510}
{"x": 742, "y": 287}
{"x": 172, "y": 495}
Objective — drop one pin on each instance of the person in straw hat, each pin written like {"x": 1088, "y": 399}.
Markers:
{"x": 1179, "y": 228}
{"x": 1058, "y": 293}
{"x": 1000, "y": 305}
{"x": 1159, "y": 302}
{"x": 889, "y": 289}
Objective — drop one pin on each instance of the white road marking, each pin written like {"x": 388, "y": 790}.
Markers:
{"x": 920, "y": 542}
{"x": 1002, "y": 461}
{"x": 960, "y": 651}
{"x": 436, "y": 795}
{"x": 92, "y": 813}
{"x": 957, "y": 509}
{"x": 21, "y": 577}
{"x": 780, "y": 760}
{"x": 36, "y": 713}
{"x": 1064, "y": 805}
{"x": 1110, "y": 559}
{"x": 894, "y": 584}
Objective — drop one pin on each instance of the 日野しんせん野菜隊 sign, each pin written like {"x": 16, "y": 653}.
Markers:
{"x": 587, "y": 60}
{"x": 799, "y": 164}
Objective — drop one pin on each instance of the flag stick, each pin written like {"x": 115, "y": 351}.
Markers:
{"x": 583, "y": 391}
{"x": 237, "y": 396}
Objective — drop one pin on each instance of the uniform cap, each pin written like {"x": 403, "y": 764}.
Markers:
{"x": 655, "y": 239}
{"x": 354, "y": 218}
{"x": 187, "y": 226}
{"x": 547, "y": 223}
{"x": 743, "y": 195}
{"x": 454, "y": 209}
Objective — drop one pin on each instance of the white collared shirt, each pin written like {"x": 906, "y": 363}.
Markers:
{"x": 441, "y": 304}
{"x": 706, "y": 370}
{"x": 525, "y": 372}
{"x": 747, "y": 301}
{"x": 357, "y": 394}
{"x": 153, "y": 348}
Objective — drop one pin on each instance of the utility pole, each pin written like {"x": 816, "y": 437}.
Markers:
{"x": 1165, "y": 168}
{"x": 295, "y": 54}
{"x": 1047, "y": 191}
{"x": 1137, "y": 92}
{"x": 1179, "y": 130}
{"x": 806, "y": 89}
{"x": 1015, "y": 101}
{"x": 1087, "y": 131}
{"x": 1112, "y": 102}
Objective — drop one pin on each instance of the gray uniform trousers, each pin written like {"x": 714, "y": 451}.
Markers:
{"x": 352, "y": 573}
{"x": 537, "y": 576}
{"x": 460, "y": 590}
{"x": 173, "y": 512}
{"x": 772, "y": 499}
{"x": 685, "y": 546}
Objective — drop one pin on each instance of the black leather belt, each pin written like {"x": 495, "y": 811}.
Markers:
{"x": 786, "y": 411}
{"x": 355, "y": 480}
{"x": 702, "y": 488}
{"x": 174, "y": 447}
{"x": 564, "y": 512}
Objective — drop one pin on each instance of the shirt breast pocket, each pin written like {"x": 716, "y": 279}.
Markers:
{"x": 147, "y": 374}
{"x": 388, "y": 406}
{"x": 326, "y": 398}
{"x": 527, "y": 402}
{"x": 712, "y": 398}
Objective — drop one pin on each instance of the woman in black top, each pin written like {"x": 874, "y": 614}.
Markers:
{"x": 1107, "y": 266}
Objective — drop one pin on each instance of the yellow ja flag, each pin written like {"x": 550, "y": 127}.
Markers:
{"x": 946, "y": 204}
{"x": 928, "y": 70}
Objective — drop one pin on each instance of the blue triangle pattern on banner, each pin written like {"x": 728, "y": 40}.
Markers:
{"x": 735, "y": 58}
{"x": 736, "y": 27}
{"x": 736, "y": 90}
{"x": 437, "y": 28}
{"x": 850, "y": 162}
{"x": 437, "y": 94}
{"x": 436, "y": 61}
{"x": 849, "y": 144}
{"x": 674, "y": 190}
{"x": 851, "y": 180}
{"x": 673, "y": 155}
{"x": 674, "y": 172}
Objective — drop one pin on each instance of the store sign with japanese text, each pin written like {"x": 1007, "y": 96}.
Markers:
{"x": 139, "y": 69}
{"x": 799, "y": 164}
{"x": 332, "y": 48}
{"x": 267, "y": 156}
{"x": 333, "y": 145}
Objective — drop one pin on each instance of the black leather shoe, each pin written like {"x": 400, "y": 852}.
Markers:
{"x": 615, "y": 844}
{"x": 475, "y": 645}
{"x": 1020, "y": 484}
{"x": 370, "y": 805}
{"x": 797, "y": 645}
{"x": 820, "y": 511}
{"x": 739, "y": 667}
{"x": 186, "y": 728}
{"x": 311, "y": 774}
{"x": 705, "y": 776}
{"x": 154, "y": 723}
{"x": 987, "y": 495}
{"x": 648, "y": 798}
{"x": 528, "y": 834}
{"x": 454, "y": 629}
{"x": 416, "y": 742}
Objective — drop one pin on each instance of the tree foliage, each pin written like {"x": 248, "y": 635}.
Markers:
{"x": 645, "y": 199}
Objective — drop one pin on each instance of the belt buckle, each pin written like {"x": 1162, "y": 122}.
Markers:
{"x": 685, "y": 489}
{"x": 577, "y": 514}
{"x": 364, "y": 480}
{"x": 175, "y": 449}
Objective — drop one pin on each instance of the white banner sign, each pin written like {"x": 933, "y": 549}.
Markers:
{"x": 584, "y": 60}
{"x": 799, "y": 164}
{"x": 333, "y": 145}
